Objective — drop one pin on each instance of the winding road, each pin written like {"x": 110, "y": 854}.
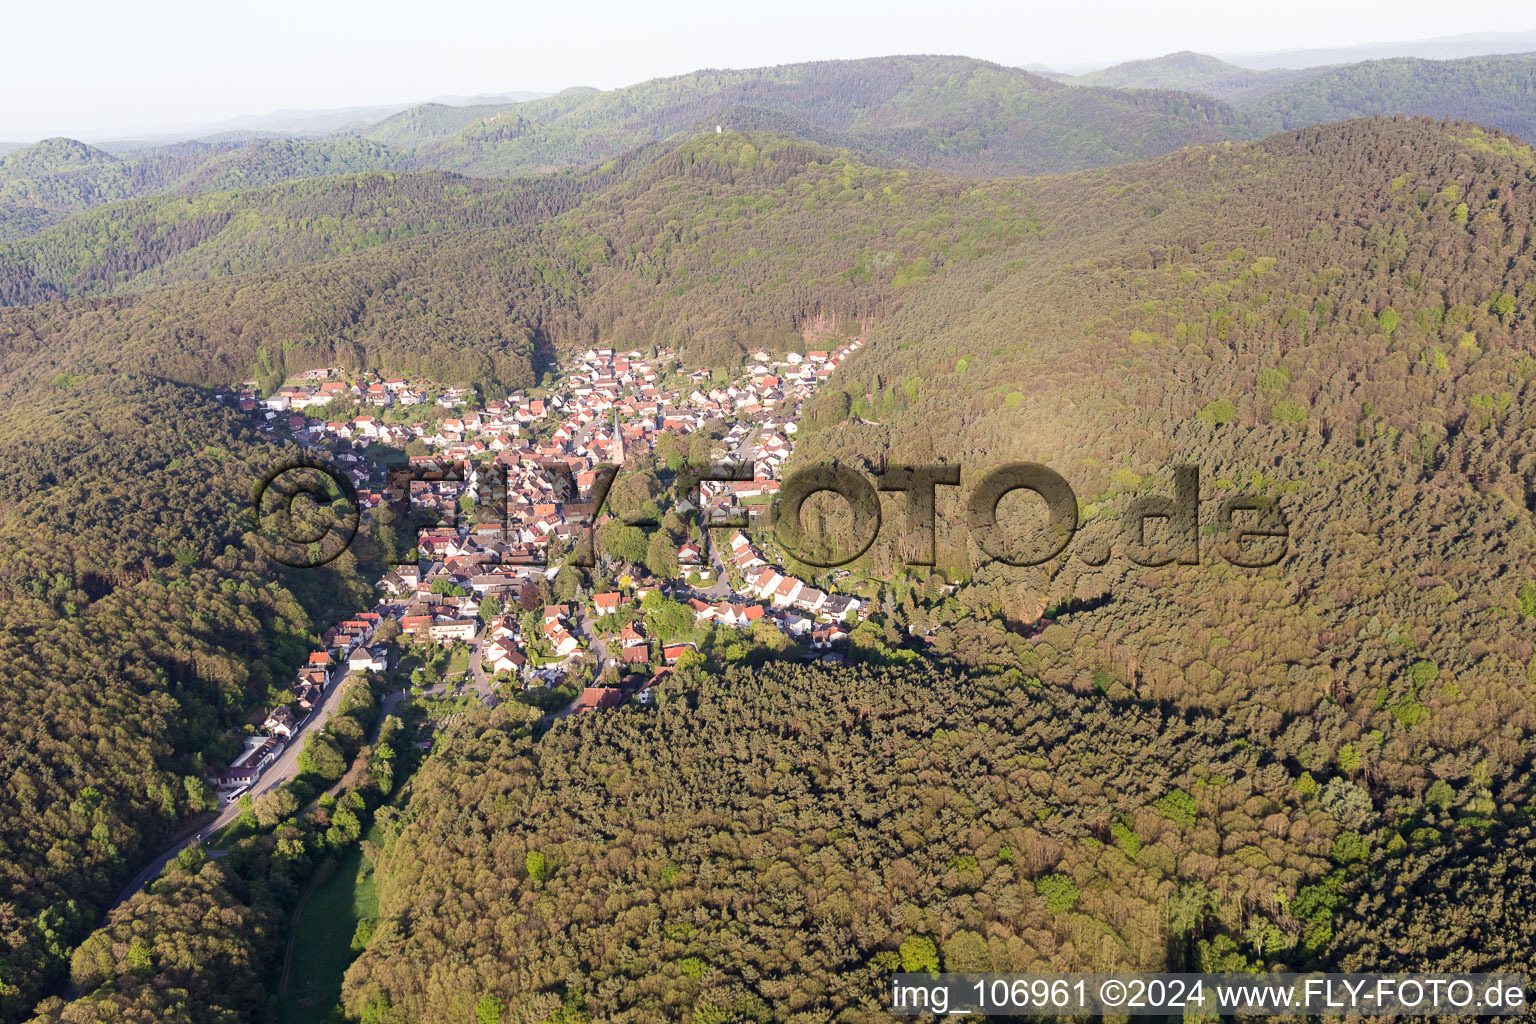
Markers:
{"x": 282, "y": 770}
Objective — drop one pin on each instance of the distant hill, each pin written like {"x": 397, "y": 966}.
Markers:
{"x": 951, "y": 113}
{"x": 1499, "y": 92}
{"x": 746, "y": 118}
{"x": 428, "y": 122}
{"x": 1047, "y": 72}
{"x": 48, "y": 180}
{"x": 1192, "y": 72}
{"x": 489, "y": 98}
{"x": 366, "y": 269}
{"x": 1477, "y": 44}
{"x": 300, "y": 122}
{"x": 163, "y": 241}
{"x": 956, "y": 114}
{"x": 51, "y": 156}
{"x": 59, "y": 177}
{"x": 130, "y": 148}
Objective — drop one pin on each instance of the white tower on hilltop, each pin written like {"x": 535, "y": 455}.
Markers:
{"x": 719, "y": 129}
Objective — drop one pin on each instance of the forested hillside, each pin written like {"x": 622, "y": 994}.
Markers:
{"x": 768, "y": 845}
{"x": 154, "y": 243}
{"x": 1194, "y": 72}
{"x": 51, "y": 156}
{"x": 1497, "y": 92}
{"x": 52, "y": 180}
{"x": 772, "y": 846}
{"x": 952, "y": 113}
{"x": 203, "y": 942}
{"x": 1320, "y": 320}
{"x": 1335, "y": 320}
{"x": 429, "y": 122}
{"x": 1091, "y": 764}
{"x": 804, "y": 232}
{"x": 139, "y": 629}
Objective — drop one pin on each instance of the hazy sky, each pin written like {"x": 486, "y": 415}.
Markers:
{"x": 99, "y": 69}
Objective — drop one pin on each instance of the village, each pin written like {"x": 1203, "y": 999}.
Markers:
{"x": 508, "y": 489}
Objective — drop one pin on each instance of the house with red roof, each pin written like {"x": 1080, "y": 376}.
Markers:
{"x": 671, "y": 654}
{"x": 785, "y": 593}
{"x": 503, "y": 656}
{"x": 562, "y": 641}
{"x": 601, "y": 697}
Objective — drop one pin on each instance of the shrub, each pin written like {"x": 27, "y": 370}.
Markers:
{"x": 919, "y": 954}
{"x": 1126, "y": 839}
{"x": 1288, "y": 411}
{"x": 1178, "y": 807}
{"x": 1059, "y": 891}
{"x": 1274, "y": 380}
{"x": 1527, "y": 598}
{"x": 1218, "y": 412}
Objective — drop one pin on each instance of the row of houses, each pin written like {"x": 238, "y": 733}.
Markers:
{"x": 344, "y": 648}
{"x": 321, "y": 387}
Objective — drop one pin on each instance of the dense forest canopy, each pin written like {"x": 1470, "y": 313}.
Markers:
{"x": 1337, "y": 319}
{"x": 140, "y": 628}
{"x": 1192, "y": 72}
{"x": 155, "y": 243}
{"x": 51, "y": 180}
{"x": 955, "y": 114}
{"x": 1499, "y": 92}
{"x": 1493, "y": 91}
{"x": 807, "y": 233}
{"x": 771, "y": 844}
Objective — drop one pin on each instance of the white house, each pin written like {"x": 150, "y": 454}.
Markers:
{"x": 365, "y": 660}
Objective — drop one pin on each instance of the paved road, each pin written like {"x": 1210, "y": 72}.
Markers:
{"x": 197, "y": 826}
{"x": 477, "y": 676}
{"x": 555, "y": 716}
{"x": 598, "y": 646}
{"x": 281, "y": 771}
{"x": 720, "y": 590}
{"x": 286, "y": 766}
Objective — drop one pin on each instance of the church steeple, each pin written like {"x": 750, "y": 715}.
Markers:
{"x": 618, "y": 439}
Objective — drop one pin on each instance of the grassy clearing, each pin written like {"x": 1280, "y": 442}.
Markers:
{"x": 322, "y": 940}
{"x": 225, "y": 837}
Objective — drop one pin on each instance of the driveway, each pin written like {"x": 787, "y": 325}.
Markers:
{"x": 478, "y": 679}
{"x": 555, "y": 716}
{"x": 720, "y": 590}
{"x": 598, "y": 646}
